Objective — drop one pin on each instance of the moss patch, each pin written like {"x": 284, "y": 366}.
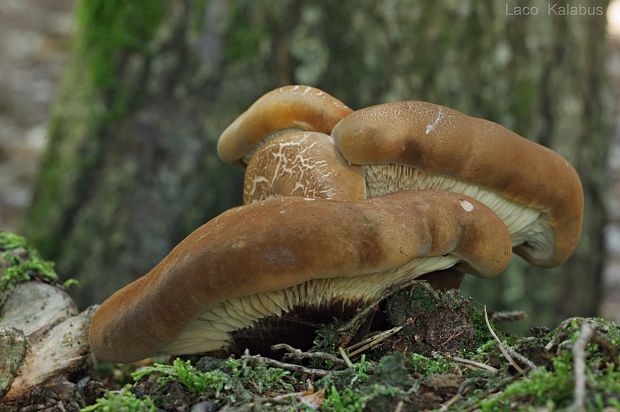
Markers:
{"x": 20, "y": 263}
{"x": 122, "y": 400}
{"x": 111, "y": 31}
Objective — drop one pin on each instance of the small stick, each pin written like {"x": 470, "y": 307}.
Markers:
{"x": 298, "y": 354}
{"x": 291, "y": 367}
{"x": 475, "y": 364}
{"x": 345, "y": 357}
{"x": 450, "y": 401}
{"x": 363, "y": 342}
{"x": 501, "y": 345}
{"x": 463, "y": 387}
{"x": 371, "y": 341}
{"x": 521, "y": 358}
{"x": 562, "y": 326}
{"x": 492, "y": 395}
{"x": 307, "y": 392}
{"x": 509, "y": 315}
{"x": 579, "y": 365}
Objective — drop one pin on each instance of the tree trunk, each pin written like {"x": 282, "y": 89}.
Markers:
{"x": 131, "y": 167}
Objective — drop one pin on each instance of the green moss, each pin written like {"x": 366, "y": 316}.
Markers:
{"x": 354, "y": 400}
{"x": 20, "y": 263}
{"x": 9, "y": 241}
{"x": 109, "y": 32}
{"x": 393, "y": 370}
{"x": 186, "y": 374}
{"x": 34, "y": 265}
{"x": 425, "y": 366}
{"x": 246, "y": 38}
{"x": 541, "y": 387}
{"x": 327, "y": 337}
{"x": 475, "y": 311}
{"x": 366, "y": 382}
{"x": 232, "y": 383}
{"x": 613, "y": 333}
{"x": 553, "y": 388}
{"x": 361, "y": 370}
{"x": 123, "y": 400}
{"x": 346, "y": 400}
{"x": 104, "y": 81}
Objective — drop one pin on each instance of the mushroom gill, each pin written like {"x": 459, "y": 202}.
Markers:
{"x": 529, "y": 227}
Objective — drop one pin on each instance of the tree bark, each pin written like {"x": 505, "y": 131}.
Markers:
{"x": 125, "y": 178}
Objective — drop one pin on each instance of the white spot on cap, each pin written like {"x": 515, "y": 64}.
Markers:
{"x": 467, "y": 205}
{"x": 438, "y": 117}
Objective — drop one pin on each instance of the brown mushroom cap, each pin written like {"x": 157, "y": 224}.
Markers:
{"x": 270, "y": 257}
{"x": 289, "y": 107}
{"x": 418, "y": 145}
{"x": 305, "y": 164}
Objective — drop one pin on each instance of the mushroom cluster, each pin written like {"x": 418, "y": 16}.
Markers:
{"x": 340, "y": 205}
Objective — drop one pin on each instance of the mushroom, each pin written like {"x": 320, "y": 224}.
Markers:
{"x": 417, "y": 145}
{"x": 305, "y": 164}
{"x": 289, "y": 107}
{"x": 286, "y": 264}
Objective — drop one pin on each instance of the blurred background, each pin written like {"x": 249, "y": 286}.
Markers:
{"x": 110, "y": 110}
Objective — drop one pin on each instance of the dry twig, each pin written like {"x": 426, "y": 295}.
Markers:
{"x": 579, "y": 365}
{"x": 345, "y": 357}
{"x": 509, "y": 315}
{"x": 463, "y": 387}
{"x": 371, "y": 341}
{"x": 501, "y": 346}
{"x": 474, "y": 364}
{"x": 291, "y": 367}
{"x": 494, "y": 393}
{"x": 298, "y": 355}
{"x": 521, "y": 358}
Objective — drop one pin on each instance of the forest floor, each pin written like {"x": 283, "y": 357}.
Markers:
{"x": 574, "y": 366}
{"x": 475, "y": 368}
{"x": 432, "y": 351}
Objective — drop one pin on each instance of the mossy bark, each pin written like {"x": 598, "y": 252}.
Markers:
{"x": 122, "y": 183}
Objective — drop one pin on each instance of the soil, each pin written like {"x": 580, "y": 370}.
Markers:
{"x": 443, "y": 357}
